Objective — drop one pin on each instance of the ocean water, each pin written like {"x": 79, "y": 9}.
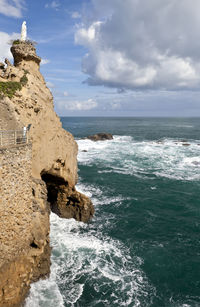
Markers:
{"x": 142, "y": 247}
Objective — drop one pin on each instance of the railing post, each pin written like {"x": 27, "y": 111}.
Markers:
{"x": 15, "y": 137}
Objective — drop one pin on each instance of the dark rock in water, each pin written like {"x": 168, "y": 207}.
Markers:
{"x": 100, "y": 137}
{"x": 186, "y": 144}
{"x": 159, "y": 142}
{"x": 196, "y": 163}
{"x": 84, "y": 150}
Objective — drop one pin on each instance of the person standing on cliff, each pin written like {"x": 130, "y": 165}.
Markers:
{"x": 24, "y": 134}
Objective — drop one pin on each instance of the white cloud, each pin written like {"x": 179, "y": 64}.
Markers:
{"x": 75, "y": 15}
{"x": 45, "y": 61}
{"x": 54, "y": 5}
{"x": 50, "y": 84}
{"x": 77, "y": 105}
{"x": 5, "y": 45}
{"x": 148, "y": 44}
{"x": 12, "y": 8}
{"x": 66, "y": 94}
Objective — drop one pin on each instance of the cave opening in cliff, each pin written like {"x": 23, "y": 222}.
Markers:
{"x": 53, "y": 184}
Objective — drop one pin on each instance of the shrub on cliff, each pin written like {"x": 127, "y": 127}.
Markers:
{"x": 9, "y": 88}
{"x": 18, "y": 42}
{"x": 24, "y": 80}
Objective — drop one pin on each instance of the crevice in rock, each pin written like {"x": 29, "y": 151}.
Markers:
{"x": 34, "y": 245}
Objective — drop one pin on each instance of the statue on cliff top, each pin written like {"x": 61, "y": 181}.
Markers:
{"x": 23, "y": 32}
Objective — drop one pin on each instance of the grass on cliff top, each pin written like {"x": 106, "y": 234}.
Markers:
{"x": 9, "y": 88}
{"x": 18, "y": 42}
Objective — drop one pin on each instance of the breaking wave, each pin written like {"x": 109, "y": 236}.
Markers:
{"x": 175, "y": 159}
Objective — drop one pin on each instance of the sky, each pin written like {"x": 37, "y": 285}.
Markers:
{"x": 113, "y": 57}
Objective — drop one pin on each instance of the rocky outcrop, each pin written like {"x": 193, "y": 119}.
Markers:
{"x": 54, "y": 150}
{"x": 100, "y": 137}
{"x": 66, "y": 201}
{"x": 51, "y": 167}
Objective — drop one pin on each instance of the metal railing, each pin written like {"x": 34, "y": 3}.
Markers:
{"x": 13, "y": 137}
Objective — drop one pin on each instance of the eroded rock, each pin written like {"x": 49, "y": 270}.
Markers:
{"x": 24, "y": 218}
{"x": 100, "y": 137}
{"x": 65, "y": 201}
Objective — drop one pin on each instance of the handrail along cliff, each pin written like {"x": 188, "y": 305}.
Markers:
{"x": 35, "y": 176}
{"x": 13, "y": 137}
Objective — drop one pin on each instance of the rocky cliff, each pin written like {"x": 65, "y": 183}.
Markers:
{"x": 51, "y": 175}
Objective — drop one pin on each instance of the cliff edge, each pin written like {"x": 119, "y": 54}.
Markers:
{"x": 34, "y": 177}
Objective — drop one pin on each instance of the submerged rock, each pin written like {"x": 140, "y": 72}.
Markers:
{"x": 100, "y": 137}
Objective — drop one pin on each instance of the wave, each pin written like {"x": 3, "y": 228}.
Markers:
{"x": 172, "y": 158}
{"x": 82, "y": 259}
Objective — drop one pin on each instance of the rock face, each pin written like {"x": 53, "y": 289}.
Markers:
{"x": 66, "y": 201}
{"x": 100, "y": 137}
{"x": 50, "y": 174}
{"x": 24, "y": 225}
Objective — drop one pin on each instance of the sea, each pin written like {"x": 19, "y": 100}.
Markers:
{"x": 142, "y": 248}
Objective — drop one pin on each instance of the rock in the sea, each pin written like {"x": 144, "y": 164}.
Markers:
{"x": 100, "y": 137}
{"x": 66, "y": 202}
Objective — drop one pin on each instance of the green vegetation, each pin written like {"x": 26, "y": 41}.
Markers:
{"x": 16, "y": 42}
{"x": 24, "y": 80}
{"x": 9, "y": 88}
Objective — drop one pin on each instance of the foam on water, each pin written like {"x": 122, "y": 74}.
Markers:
{"x": 84, "y": 259}
{"x": 169, "y": 158}
{"x": 81, "y": 257}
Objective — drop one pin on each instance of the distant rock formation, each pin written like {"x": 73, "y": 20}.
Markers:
{"x": 100, "y": 137}
{"x": 25, "y": 99}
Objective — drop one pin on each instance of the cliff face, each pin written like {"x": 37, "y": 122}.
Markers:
{"x": 24, "y": 225}
{"x": 46, "y": 169}
{"x": 34, "y": 105}
{"x": 54, "y": 150}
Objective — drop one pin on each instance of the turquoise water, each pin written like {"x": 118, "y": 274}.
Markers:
{"x": 143, "y": 246}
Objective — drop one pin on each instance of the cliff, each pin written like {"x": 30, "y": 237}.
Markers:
{"x": 33, "y": 176}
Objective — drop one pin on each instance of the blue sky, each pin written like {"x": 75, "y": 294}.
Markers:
{"x": 113, "y": 57}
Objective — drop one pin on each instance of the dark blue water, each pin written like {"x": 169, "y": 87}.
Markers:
{"x": 143, "y": 246}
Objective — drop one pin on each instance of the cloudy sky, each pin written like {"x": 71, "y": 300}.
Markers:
{"x": 113, "y": 57}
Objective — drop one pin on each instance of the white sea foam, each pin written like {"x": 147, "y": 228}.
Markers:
{"x": 168, "y": 158}
{"x": 81, "y": 256}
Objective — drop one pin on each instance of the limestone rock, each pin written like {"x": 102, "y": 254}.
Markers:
{"x": 66, "y": 202}
{"x": 100, "y": 137}
{"x": 24, "y": 226}
{"x": 34, "y": 105}
{"x": 51, "y": 156}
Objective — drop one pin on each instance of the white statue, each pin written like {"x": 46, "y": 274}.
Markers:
{"x": 23, "y": 32}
